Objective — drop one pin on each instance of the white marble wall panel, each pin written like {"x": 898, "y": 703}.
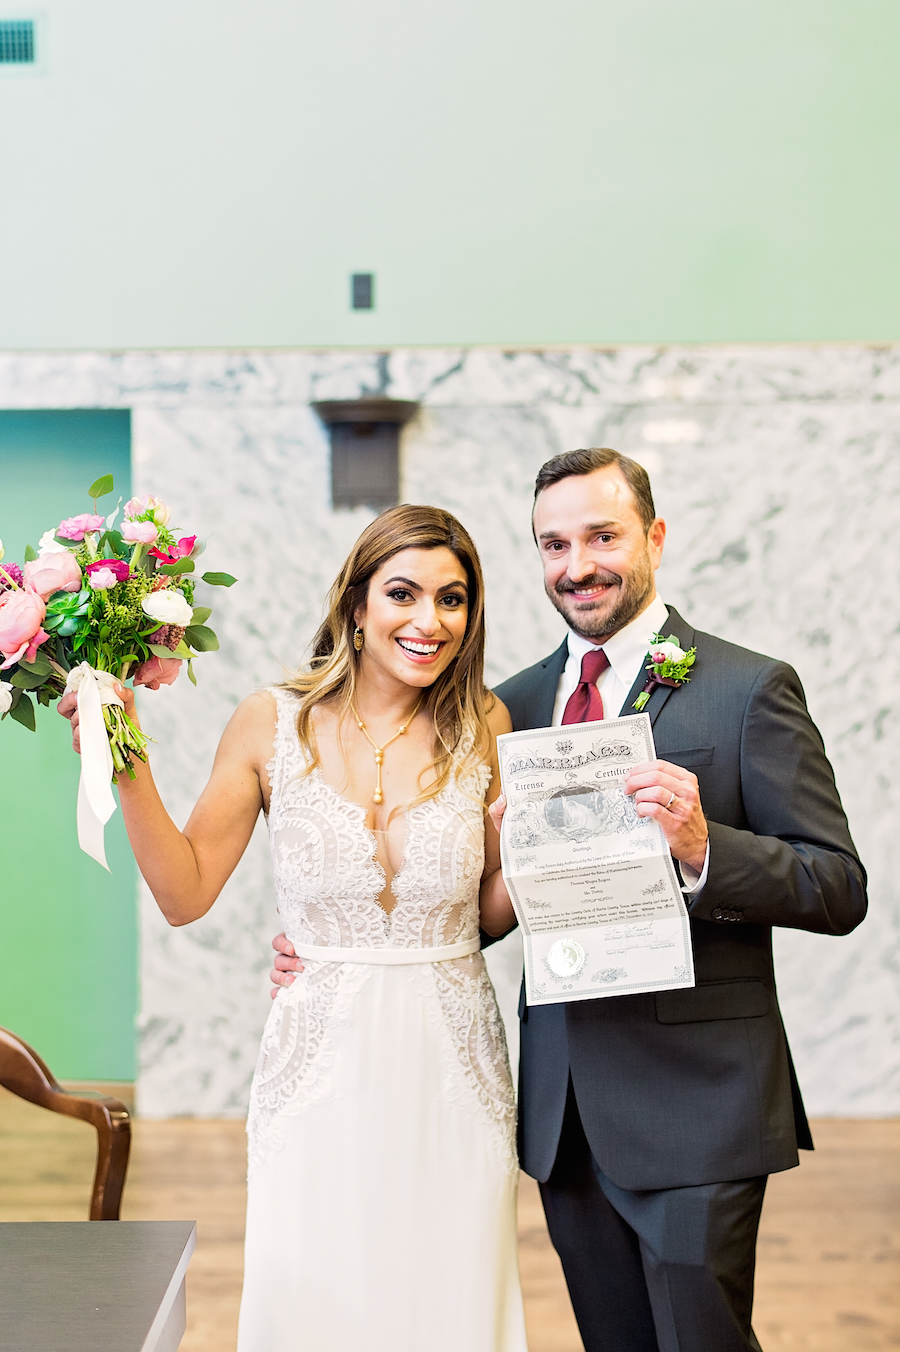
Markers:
{"x": 777, "y": 470}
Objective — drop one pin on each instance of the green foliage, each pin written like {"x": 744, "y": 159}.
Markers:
{"x": 201, "y": 614}
{"x": 112, "y": 546}
{"x": 158, "y": 650}
{"x": 190, "y": 671}
{"x": 101, "y": 487}
{"x": 23, "y": 712}
{"x": 219, "y": 579}
{"x": 41, "y": 666}
{"x": 201, "y": 638}
{"x": 26, "y": 680}
{"x": 176, "y": 569}
{"x": 30, "y": 553}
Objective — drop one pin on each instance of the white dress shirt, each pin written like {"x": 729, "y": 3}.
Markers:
{"x": 626, "y": 652}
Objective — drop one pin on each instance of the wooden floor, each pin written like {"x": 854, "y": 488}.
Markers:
{"x": 829, "y": 1267}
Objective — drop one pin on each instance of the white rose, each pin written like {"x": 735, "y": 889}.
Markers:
{"x": 666, "y": 652}
{"x": 169, "y": 607}
{"x": 6, "y": 694}
{"x": 48, "y": 545}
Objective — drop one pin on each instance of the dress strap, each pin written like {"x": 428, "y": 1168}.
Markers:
{"x": 388, "y": 957}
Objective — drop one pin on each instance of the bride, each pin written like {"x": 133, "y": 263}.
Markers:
{"x": 382, "y": 1164}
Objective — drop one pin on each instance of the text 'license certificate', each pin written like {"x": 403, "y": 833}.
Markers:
{"x": 593, "y": 884}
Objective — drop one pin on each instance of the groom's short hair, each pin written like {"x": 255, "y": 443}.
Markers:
{"x": 573, "y": 463}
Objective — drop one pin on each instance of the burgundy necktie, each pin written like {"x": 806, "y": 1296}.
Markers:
{"x": 584, "y": 705}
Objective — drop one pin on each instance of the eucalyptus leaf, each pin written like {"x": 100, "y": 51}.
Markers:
{"x": 175, "y": 569}
{"x": 101, "y": 486}
{"x": 158, "y": 650}
{"x": 112, "y": 545}
{"x": 201, "y": 614}
{"x": 182, "y": 651}
{"x": 191, "y": 677}
{"x": 41, "y": 666}
{"x": 201, "y": 638}
{"x": 30, "y": 554}
{"x": 219, "y": 579}
{"x": 23, "y": 712}
{"x": 27, "y": 680}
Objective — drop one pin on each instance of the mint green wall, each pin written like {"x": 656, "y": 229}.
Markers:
{"x": 68, "y": 930}
{"x": 514, "y": 171}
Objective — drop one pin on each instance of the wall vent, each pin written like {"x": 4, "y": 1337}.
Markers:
{"x": 16, "y": 42}
{"x": 365, "y": 448}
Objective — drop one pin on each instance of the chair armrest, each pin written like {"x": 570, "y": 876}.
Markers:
{"x": 24, "y": 1073}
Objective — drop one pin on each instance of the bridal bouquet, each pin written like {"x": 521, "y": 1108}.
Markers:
{"x": 98, "y": 603}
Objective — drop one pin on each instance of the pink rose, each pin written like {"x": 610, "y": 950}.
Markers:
{"x": 139, "y": 532}
{"x": 139, "y": 506}
{"x": 114, "y": 569}
{"x": 157, "y": 671}
{"x": 50, "y": 573}
{"x": 21, "y": 616}
{"x": 76, "y": 527}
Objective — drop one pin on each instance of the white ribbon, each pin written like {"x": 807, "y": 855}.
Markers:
{"x": 96, "y": 802}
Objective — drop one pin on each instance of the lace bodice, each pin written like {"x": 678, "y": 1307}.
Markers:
{"x": 327, "y": 883}
{"x": 327, "y": 878}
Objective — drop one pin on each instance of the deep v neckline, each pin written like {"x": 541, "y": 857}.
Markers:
{"x": 369, "y": 832}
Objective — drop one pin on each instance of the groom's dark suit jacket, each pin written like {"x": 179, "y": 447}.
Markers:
{"x": 697, "y": 1086}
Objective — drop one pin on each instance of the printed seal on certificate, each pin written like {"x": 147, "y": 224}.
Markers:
{"x": 565, "y": 959}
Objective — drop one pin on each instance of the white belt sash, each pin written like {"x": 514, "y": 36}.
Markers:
{"x": 388, "y": 957}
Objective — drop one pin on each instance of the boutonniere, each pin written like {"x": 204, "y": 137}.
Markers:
{"x": 669, "y": 665}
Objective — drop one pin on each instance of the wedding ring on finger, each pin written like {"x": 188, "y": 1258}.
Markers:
{"x": 670, "y": 802}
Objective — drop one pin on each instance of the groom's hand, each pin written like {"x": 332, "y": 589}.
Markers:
{"x": 286, "y": 964}
{"x": 671, "y": 796}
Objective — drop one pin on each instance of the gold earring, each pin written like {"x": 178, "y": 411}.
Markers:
{"x": 359, "y": 639}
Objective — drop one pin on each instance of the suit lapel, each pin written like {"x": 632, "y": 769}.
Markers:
{"x": 685, "y": 635}
{"x": 543, "y": 698}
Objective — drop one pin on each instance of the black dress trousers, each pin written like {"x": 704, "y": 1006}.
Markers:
{"x": 667, "y": 1270}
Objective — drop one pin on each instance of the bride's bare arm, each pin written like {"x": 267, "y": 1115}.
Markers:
{"x": 186, "y": 870}
{"x": 497, "y": 914}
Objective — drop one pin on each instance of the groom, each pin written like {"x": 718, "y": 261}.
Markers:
{"x": 652, "y": 1121}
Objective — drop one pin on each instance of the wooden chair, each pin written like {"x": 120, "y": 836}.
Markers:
{"x": 23, "y": 1072}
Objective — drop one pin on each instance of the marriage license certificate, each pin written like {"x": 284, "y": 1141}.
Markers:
{"x": 593, "y": 884}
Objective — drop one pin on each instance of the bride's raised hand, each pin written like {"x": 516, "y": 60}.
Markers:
{"x": 68, "y": 707}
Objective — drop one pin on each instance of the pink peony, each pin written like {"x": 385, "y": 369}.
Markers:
{"x": 50, "y": 573}
{"x": 21, "y": 616}
{"x": 157, "y": 671}
{"x": 139, "y": 506}
{"x": 139, "y": 532}
{"x": 76, "y": 527}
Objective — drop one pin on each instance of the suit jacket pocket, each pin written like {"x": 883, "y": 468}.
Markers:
{"x": 696, "y": 755}
{"x": 713, "y": 1000}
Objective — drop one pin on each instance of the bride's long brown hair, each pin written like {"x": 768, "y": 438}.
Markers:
{"x": 458, "y": 701}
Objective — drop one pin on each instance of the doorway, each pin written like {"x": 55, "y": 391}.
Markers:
{"x": 68, "y": 929}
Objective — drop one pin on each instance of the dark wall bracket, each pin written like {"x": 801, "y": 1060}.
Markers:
{"x": 365, "y": 448}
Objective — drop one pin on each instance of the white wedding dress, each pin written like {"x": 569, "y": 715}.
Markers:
{"x": 381, "y": 1213}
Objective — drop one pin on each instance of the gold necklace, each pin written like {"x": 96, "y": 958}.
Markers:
{"x": 378, "y": 796}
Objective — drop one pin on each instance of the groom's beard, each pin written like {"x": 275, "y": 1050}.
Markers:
{"x": 605, "y": 616}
